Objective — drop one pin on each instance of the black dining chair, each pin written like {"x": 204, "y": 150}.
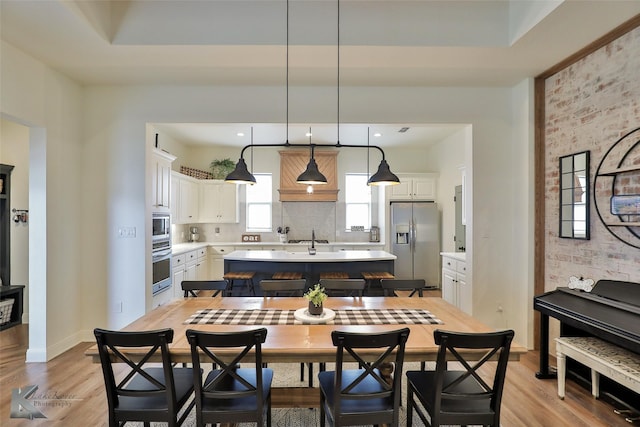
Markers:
{"x": 343, "y": 287}
{"x": 292, "y": 288}
{"x": 461, "y": 396}
{"x": 193, "y": 287}
{"x": 366, "y": 395}
{"x": 230, "y": 394}
{"x": 391, "y": 285}
{"x": 143, "y": 391}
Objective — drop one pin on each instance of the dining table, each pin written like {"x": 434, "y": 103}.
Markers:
{"x": 290, "y": 340}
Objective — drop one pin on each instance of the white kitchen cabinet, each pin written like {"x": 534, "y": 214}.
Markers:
{"x": 454, "y": 283}
{"x": 216, "y": 261}
{"x": 161, "y": 180}
{"x": 178, "y": 273}
{"x": 193, "y": 265}
{"x": 202, "y": 264}
{"x": 414, "y": 187}
{"x": 185, "y": 195}
{"x": 218, "y": 202}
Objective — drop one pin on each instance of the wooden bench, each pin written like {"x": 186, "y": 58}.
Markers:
{"x": 618, "y": 364}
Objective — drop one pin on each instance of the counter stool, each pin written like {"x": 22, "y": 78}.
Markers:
{"x": 286, "y": 275}
{"x": 375, "y": 276}
{"x": 334, "y": 275}
{"x": 247, "y": 276}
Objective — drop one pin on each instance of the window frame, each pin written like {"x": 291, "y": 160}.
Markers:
{"x": 368, "y": 203}
{"x": 268, "y": 203}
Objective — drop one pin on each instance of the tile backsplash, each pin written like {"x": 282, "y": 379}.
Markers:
{"x": 326, "y": 218}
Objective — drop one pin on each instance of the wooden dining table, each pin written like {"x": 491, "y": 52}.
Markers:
{"x": 296, "y": 343}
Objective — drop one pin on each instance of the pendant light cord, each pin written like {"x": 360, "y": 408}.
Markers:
{"x": 287, "y": 74}
{"x": 338, "y": 77}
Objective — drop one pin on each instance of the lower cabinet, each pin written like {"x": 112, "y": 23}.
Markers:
{"x": 454, "y": 284}
{"x": 216, "y": 260}
{"x": 192, "y": 265}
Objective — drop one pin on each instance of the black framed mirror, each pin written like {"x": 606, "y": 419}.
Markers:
{"x": 574, "y": 196}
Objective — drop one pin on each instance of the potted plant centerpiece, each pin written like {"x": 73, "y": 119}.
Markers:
{"x": 316, "y": 297}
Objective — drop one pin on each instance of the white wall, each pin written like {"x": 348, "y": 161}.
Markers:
{"x": 97, "y": 182}
{"x": 51, "y": 106}
{"x": 448, "y": 157}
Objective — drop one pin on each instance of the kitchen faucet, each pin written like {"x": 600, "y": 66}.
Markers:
{"x": 312, "y": 249}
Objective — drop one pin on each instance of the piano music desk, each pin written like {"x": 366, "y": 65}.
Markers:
{"x": 601, "y": 357}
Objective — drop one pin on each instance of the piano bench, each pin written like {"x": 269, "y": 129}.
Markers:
{"x": 618, "y": 364}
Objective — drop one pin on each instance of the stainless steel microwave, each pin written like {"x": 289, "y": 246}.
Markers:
{"x": 161, "y": 226}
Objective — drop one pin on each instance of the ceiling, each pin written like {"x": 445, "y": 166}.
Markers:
{"x": 243, "y": 42}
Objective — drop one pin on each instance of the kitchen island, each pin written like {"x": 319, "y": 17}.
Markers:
{"x": 265, "y": 263}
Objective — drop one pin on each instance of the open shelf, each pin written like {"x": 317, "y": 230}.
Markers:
{"x": 619, "y": 171}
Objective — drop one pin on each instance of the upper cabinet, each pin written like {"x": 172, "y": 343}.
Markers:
{"x": 294, "y": 162}
{"x": 420, "y": 186}
{"x": 161, "y": 180}
{"x": 218, "y": 202}
{"x": 207, "y": 200}
{"x": 184, "y": 191}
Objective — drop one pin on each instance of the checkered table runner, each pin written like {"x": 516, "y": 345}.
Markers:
{"x": 285, "y": 317}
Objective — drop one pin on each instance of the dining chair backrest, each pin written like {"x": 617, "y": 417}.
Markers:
{"x": 283, "y": 287}
{"x": 230, "y": 394}
{"x": 343, "y": 287}
{"x": 391, "y": 285}
{"x": 140, "y": 390}
{"x": 462, "y": 395}
{"x": 191, "y": 286}
{"x": 367, "y": 395}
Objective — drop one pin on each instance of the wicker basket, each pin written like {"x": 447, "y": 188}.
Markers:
{"x": 6, "y": 305}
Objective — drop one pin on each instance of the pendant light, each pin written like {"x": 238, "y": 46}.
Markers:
{"x": 241, "y": 174}
{"x": 311, "y": 176}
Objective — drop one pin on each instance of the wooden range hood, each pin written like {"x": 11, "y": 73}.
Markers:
{"x": 294, "y": 162}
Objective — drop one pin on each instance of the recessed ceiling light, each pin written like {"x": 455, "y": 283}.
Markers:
{"x": 308, "y": 134}
{"x": 240, "y": 133}
{"x": 377, "y": 134}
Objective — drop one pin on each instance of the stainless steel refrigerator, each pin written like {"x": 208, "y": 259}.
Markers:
{"x": 415, "y": 240}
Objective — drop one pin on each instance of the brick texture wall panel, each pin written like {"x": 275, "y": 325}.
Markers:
{"x": 589, "y": 106}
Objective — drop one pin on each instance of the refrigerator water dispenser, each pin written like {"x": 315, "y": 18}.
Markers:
{"x": 402, "y": 234}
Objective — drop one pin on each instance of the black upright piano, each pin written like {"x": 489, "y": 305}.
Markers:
{"x": 610, "y": 311}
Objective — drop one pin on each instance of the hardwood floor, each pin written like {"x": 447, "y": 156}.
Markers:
{"x": 71, "y": 391}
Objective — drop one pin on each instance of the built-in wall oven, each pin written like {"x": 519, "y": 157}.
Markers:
{"x": 161, "y": 252}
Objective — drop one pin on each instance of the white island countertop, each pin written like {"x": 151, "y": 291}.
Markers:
{"x": 285, "y": 256}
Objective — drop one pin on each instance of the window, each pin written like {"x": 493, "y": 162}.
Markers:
{"x": 259, "y": 203}
{"x": 357, "y": 201}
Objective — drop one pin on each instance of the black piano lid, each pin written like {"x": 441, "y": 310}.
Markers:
{"x": 610, "y": 311}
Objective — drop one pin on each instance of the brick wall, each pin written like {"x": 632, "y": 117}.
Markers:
{"x": 589, "y": 106}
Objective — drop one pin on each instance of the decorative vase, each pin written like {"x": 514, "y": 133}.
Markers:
{"x": 313, "y": 310}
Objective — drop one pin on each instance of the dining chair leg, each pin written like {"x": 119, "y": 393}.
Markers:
{"x": 409, "y": 406}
